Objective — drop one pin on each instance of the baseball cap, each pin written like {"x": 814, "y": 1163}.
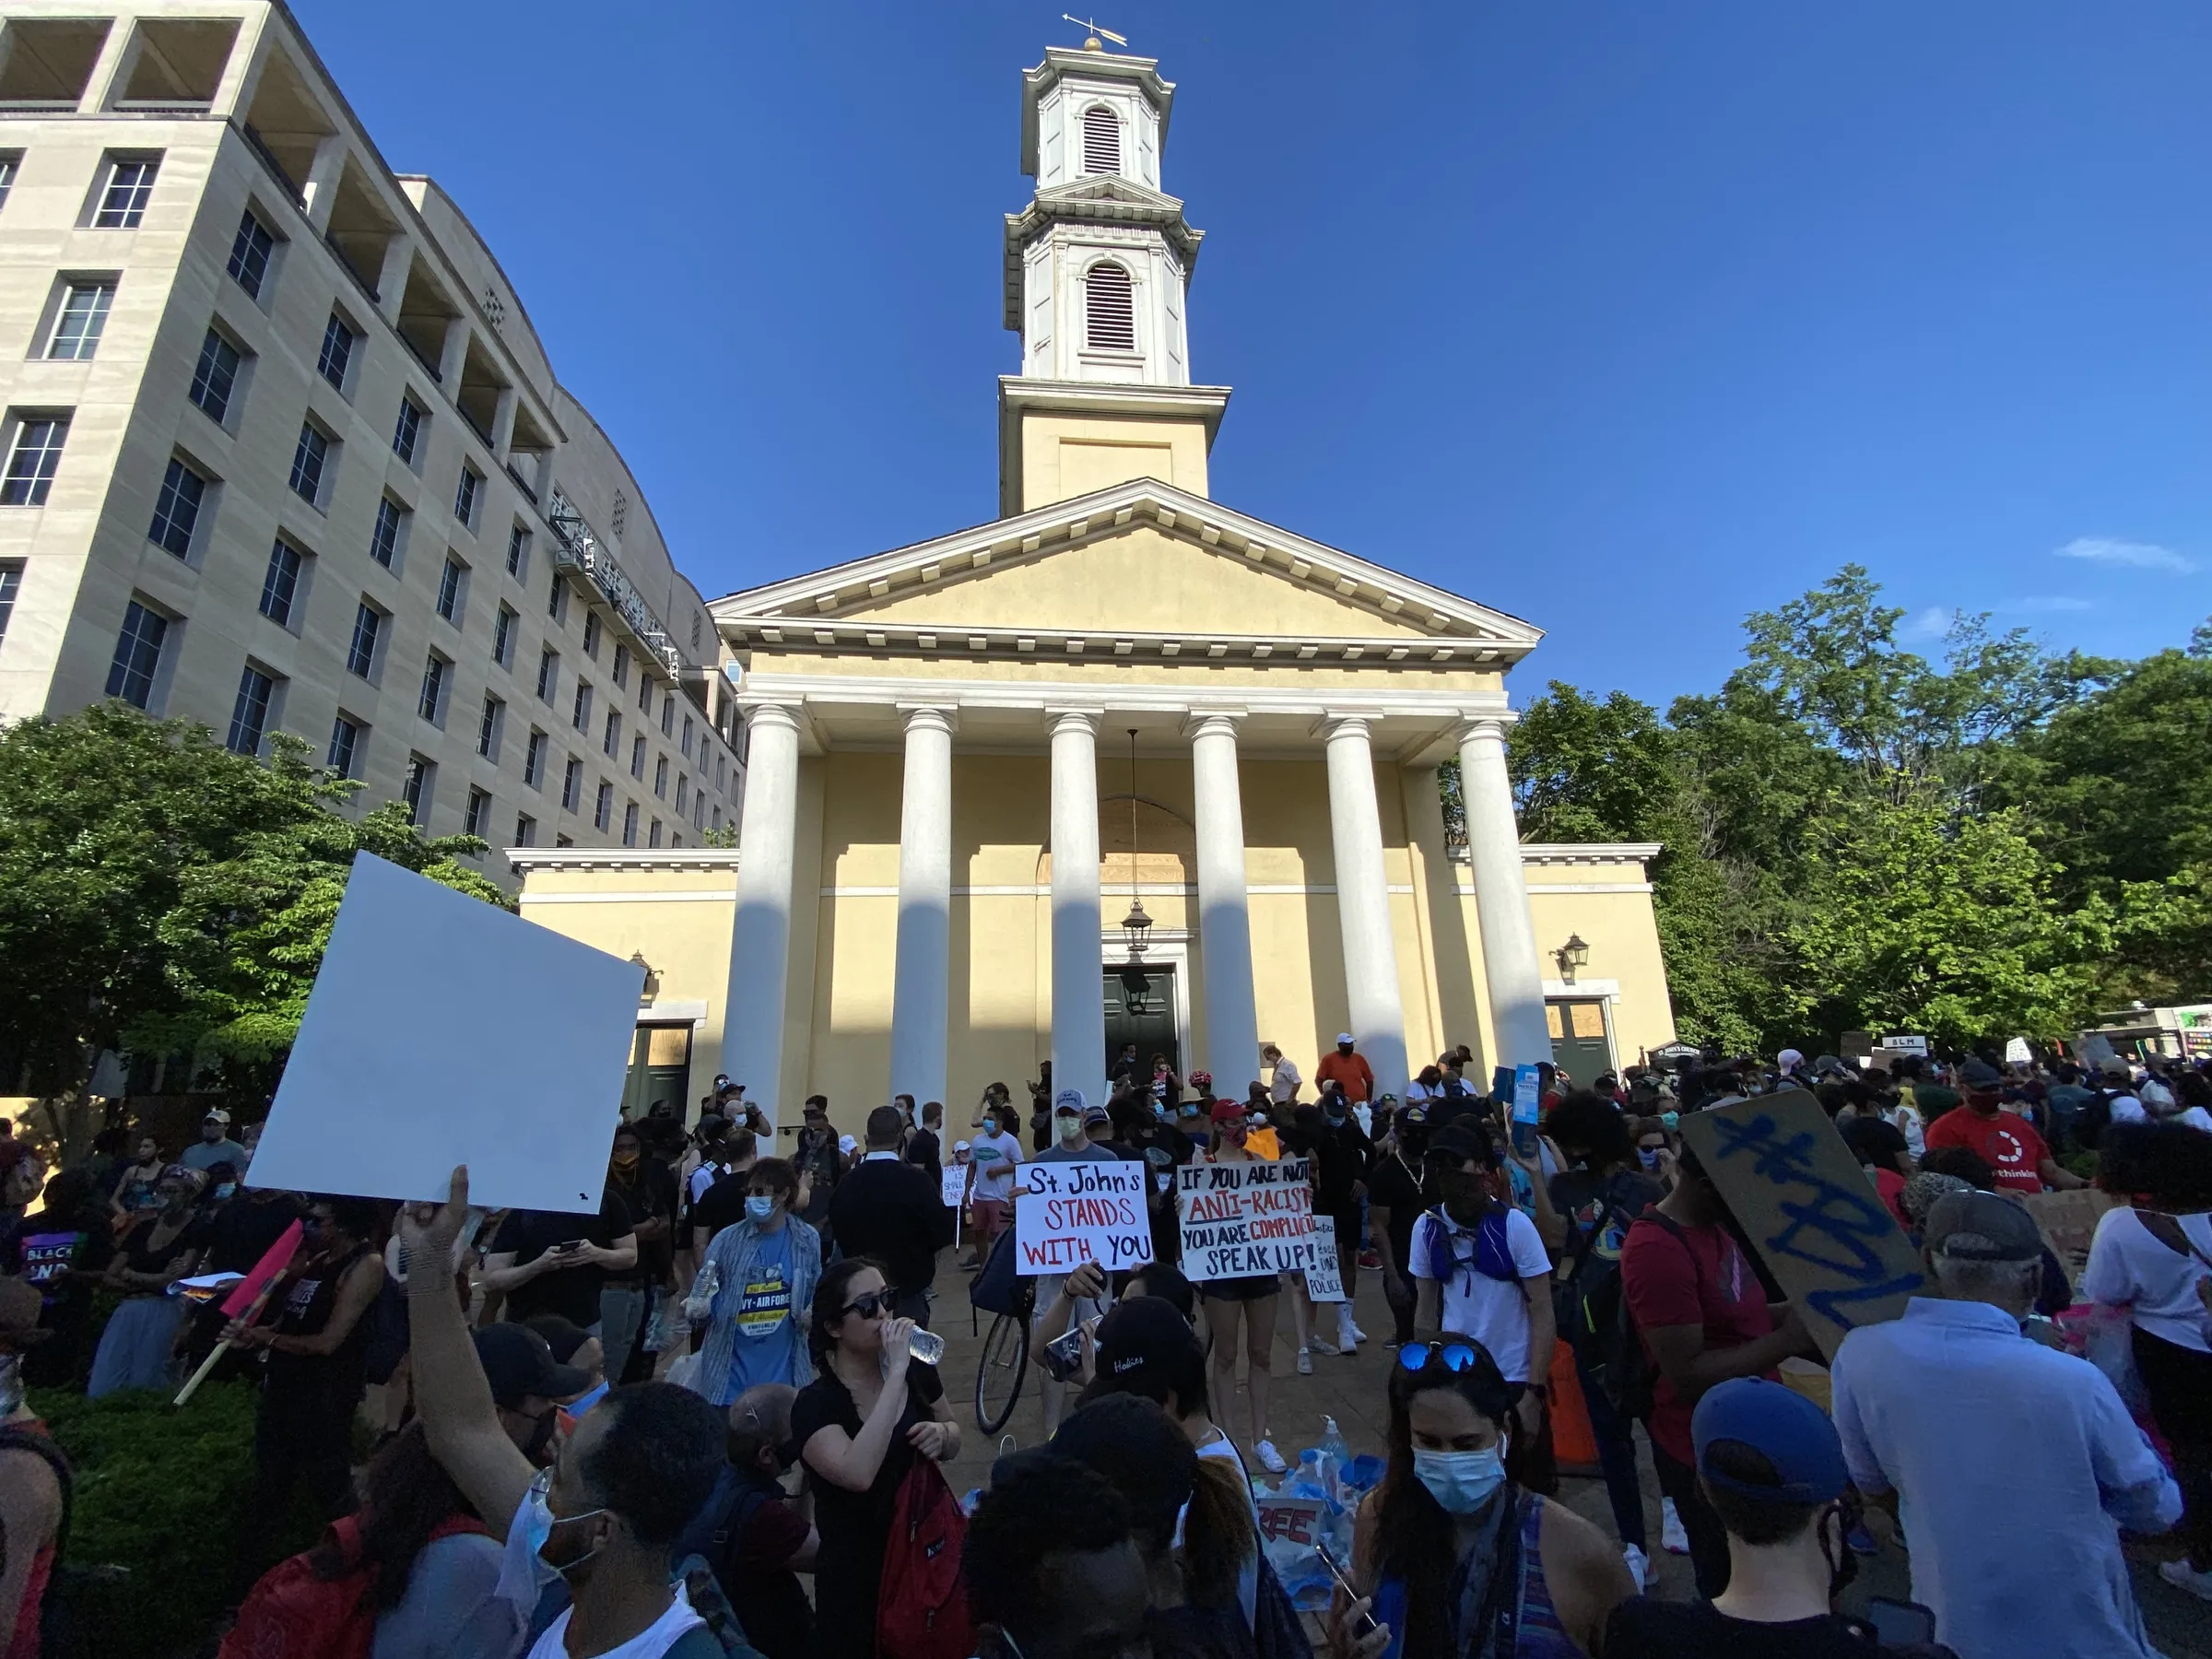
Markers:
{"x": 1980, "y": 1073}
{"x": 2111, "y": 1066}
{"x": 215, "y": 1114}
{"x": 1792, "y": 1433}
{"x": 2004, "y": 1231}
{"x": 1344, "y": 1036}
{"x": 1069, "y": 1100}
{"x": 517, "y": 1361}
{"x": 1096, "y": 1115}
{"x": 847, "y": 1144}
{"x": 959, "y": 1146}
{"x": 1140, "y": 1337}
{"x": 1228, "y": 1112}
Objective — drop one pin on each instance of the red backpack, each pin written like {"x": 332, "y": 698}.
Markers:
{"x": 922, "y": 1608}
{"x": 293, "y": 1614}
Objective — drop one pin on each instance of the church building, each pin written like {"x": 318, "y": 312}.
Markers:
{"x": 1124, "y": 764}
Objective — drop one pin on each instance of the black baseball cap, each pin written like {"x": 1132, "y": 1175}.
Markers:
{"x": 1980, "y": 1074}
{"x": 1140, "y": 1338}
{"x": 518, "y": 1362}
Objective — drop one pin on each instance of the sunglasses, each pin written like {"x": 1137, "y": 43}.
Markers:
{"x": 869, "y": 1306}
{"x": 1418, "y": 1356}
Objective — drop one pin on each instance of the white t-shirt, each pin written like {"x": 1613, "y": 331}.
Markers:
{"x": 2128, "y": 1266}
{"x": 1493, "y": 1312}
{"x": 2126, "y": 1109}
{"x": 994, "y": 1157}
{"x": 1282, "y": 1087}
{"x": 1907, "y": 1121}
{"x": 2196, "y": 1117}
{"x": 651, "y": 1642}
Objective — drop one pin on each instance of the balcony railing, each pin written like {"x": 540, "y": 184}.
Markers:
{"x": 575, "y": 546}
{"x": 245, "y": 129}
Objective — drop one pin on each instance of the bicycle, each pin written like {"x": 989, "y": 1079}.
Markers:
{"x": 997, "y": 1289}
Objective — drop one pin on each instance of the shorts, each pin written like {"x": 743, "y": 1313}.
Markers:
{"x": 1253, "y": 1289}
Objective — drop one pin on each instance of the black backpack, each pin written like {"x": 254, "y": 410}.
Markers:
{"x": 1591, "y": 1304}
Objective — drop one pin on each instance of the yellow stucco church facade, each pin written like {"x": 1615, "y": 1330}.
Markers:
{"x": 972, "y": 758}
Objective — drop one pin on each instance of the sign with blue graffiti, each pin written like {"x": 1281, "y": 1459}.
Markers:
{"x": 1808, "y": 1209}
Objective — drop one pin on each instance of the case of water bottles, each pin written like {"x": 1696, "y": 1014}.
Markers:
{"x": 1323, "y": 1492}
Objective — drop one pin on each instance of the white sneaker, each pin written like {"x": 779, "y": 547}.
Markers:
{"x": 1270, "y": 1459}
{"x": 1640, "y": 1566}
{"x": 1358, "y": 1334}
{"x": 2183, "y": 1576}
{"x": 1320, "y": 1344}
{"x": 1305, "y": 1362}
{"x": 1672, "y": 1538}
{"x": 1348, "y": 1339}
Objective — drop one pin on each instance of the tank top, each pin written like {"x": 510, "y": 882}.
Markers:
{"x": 1536, "y": 1631}
{"x": 309, "y": 1301}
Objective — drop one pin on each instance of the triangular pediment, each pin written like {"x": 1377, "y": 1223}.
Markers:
{"x": 1140, "y": 558}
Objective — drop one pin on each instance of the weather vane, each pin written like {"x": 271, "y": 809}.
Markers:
{"x": 1095, "y": 32}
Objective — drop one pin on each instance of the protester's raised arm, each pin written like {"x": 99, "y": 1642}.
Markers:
{"x": 451, "y": 1393}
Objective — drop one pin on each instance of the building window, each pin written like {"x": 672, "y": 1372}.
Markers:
{"x": 652, "y": 834}
{"x": 557, "y": 604}
{"x": 687, "y": 743}
{"x": 450, "y": 585}
{"x": 1102, "y": 141}
{"x": 390, "y": 526}
{"x": 249, "y": 251}
{"x": 621, "y": 516}
{"x": 307, "y": 458}
{"x": 280, "y": 583}
{"x": 622, "y": 667}
{"x": 722, "y": 776}
{"x": 479, "y": 815}
{"x": 548, "y": 673}
{"x": 699, "y": 809}
{"x": 487, "y": 728}
{"x": 668, "y": 715}
{"x": 33, "y": 459}
{"x": 612, "y": 741}
{"x": 213, "y": 381}
{"x": 518, "y": 553}
{"x": 83, "y": 314}
{"x": 590, "y": 635}
{"x": 11, "y": 584}
{"x": 534, "y": 760}
{"x": 430, "y": 703}
{"x": 581, "y": 714}
{"x": 603, "y": 810}
{"x": 637, "y": 758}
{"x": 250, "y": 713}
{"x": 1110, "y": 308}
{"x": 122, "y": 198}
{"x": 571, "y": 784}
{"x": 525, "y": 830}
{"x": 502, "y": 638}
{"x": 683, "y": 794}
{"x": 660, "y": 777}
{"x": 345, "y": 747}
{"x": 415, "y": 788}
{"x": 337, "y": 351}
{"x": 137, "y": 655}
{"x": 644, "y": 692}
{"x": 408, "y": 432}
{"x": 360, "y": 653}
{"x": 177, "y": 509}
{"x": 465, "y": 497}
{"x": 630, "y": 824}
{"x": 8, "y": 164}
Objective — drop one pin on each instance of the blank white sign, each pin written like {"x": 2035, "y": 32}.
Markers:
{"x": 442, "y": 1031}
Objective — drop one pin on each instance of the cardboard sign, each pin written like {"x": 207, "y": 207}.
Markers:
{"x": 1243, "y": 1219}
{"x": 952, "y": 1187}
{"x": 442, "y": 1031}
{"x": 1527, "y": 1093}
{"x": 1906, "y": 1045}
{"x": 1324, "y": 1279}
{"x": 1807, "y": 1207}
{"x": 2068, "y": 1221}
{"x": 2016, "y": 1051}
{"x": 1072, "y": 1212}
{"x": 1300, "y": 1521}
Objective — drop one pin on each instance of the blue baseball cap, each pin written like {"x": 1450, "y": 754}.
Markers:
{"x": 1794, "y": 1435}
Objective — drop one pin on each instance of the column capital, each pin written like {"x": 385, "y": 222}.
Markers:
{"x": 1491, "y": 727}
{"x": 757, "y": 714}
{"x": 1212, "y": 722}
{"x": 1330, "y": 728}
{"x": 1075, "y": 720}
{"x": 943, "y": 717}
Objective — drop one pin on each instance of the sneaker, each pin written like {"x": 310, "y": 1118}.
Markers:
{"x": 1640, "y": 1566}
{"x": 1672, "y": 1538}
{"x": 1320, "y": 1344}
{"x": 1358, "y": 1334}
{"x": 1270, "y": 1459}
{"x": 1370, "y": 1261}
{"x": 1305, "y": 1362}
{"x": 2183, "y": 1576}
{"x": 1347, "y": 1337}
{"x": 1393, "y": 1346}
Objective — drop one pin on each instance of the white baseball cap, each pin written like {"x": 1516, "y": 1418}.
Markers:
{"x": 845, "y": 1143}
{"x": 1070, "y": 1099}
{"x": 1344, "y": 1036}
{"x": 959, "y": 1146}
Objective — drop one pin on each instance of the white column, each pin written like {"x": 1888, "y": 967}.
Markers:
{"x": 752, "y": 1020}
{"x": 919, "y": 987}
{"x": 1232, "y": 1024}
{"x": 1509, "y": 937}
{"x": 1370, "y": 959}
{"x": 1078, "y": 984}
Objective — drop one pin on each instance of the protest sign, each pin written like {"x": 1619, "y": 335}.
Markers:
{"x": 1807, "y": 1208}
{"x": 1528, "y": 1084}
{"x": 1300, "y": 1521}
{"x": 1072, "y": 1213}
{"x": 1906, "y": 1045}
{"x": 953, "y": 1185}
{"x": 1324, "y": 1279}
{"x": 2068, "y": 1221}
{"x": 443, "y": 1030}
{"x": 2016, "y": 1051}
{"x": 1241, "y": 1219}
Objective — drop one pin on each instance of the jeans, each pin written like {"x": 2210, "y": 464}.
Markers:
{"x": 1616, "y": 1437}
{"x": 621, "y": 1323}
{"x": 1708, "y": 1538}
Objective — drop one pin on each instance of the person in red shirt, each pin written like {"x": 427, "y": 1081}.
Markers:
{"x": 1350, "y": 1070}
{"x": 2008, "y": 1142}
{"x": 1704, "y": 1319}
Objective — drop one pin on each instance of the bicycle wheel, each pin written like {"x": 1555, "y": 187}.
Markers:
{"x": 999, "y": 1373}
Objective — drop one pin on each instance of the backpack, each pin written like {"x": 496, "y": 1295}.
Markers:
{"x": 1493, "y": 1248}
{"x": 712, "y": 1534}
{"x": 293, "y": 1614}
{"x": 384, "y": 1330}
{"x": 998, "y": 1288}
{"x": 1597, "y": 1322}
{"x": 57, "y": 1635}
{"x": 922, "y": 1607}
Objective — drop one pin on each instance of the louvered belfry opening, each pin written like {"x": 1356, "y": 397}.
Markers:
{"x": 1102, "y": 141}
{"x": 1110, "y": 310}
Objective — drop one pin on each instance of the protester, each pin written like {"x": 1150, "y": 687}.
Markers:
{"x": 2009, "y": 1143}
{"x": 1282, "y": 1076}
{"x": 995, "y": 1154}
{"x": 1703, "y": 1319}
{"x": 158, "y": 1250}
{"x": 215, "y": 1145}
{"x": 134, "y": 1190}
{"x": 1051, "y": 1567}
{"x": 61, "y": 1250}
{"x": 1147, "y": 1346}
{"x": 572, "y": 1348}
{"x": 1480, "y": 1268}
{"x": 22, "y": 1177}
{"x": 549, "y": 1262}
{"x": 925, "y": 1147}
{"x": 1165, "y": 1085}
{"x": 237, "y": 1235}
{"x": 1241, "y": 1311}
{"x": 766, "y": 1272}
{"x": 33, "y": 1499}
{"x": 1343, "y": 1158}
{"x": 2029, "y": 1541}
{"x": 1348, "y": 1069}
{"x": 1452, "y": 1556}
{"x": 1394, "y": 1202}
{"x": 645, "y": 1190}
{"x": 2153, "y": 1260}
{"x": 868, "y": 1414}
{"x": 750, "y": 1531}
{"x": 819, "y": 1158}
{"x": 890, "y": 1210}
{"x": 1769, "y": 1465}
{"x": 1056, "y": 1308}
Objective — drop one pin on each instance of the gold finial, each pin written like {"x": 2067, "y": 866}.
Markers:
{"x": 1094, "y": 31}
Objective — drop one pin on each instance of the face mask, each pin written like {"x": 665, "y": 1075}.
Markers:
{"x": 1461, "y": 1481}
{"x": 1067, "y": 1127}
{"x": 1648, "y": 1157}
{"x": 1258, "y": 1120}
{"x": 225, "y": 1189}
{"x": 760, "y": 1205}
{"x": 623, "y": 1160}
{"x": 1344, "y": 1048}
{"x": 1334, "y": 1114}
{"x": 538, "y": 1522}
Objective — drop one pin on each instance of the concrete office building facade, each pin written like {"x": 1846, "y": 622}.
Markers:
{"x": 282, "y": 453}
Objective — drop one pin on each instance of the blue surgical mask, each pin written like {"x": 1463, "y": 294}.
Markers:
{"x": 538, "y": 1522}
{"x": 1461, "y": 1481}
{"x": 1648, "y": 1157}
{"x": 760, "y": 1205}
{"x": 223, "y": 1189}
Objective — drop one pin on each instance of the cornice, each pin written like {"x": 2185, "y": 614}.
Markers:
{"x": 1094, "y": 201}
{"x": 1589, "y": 852}
{"x": 522, "y": 860}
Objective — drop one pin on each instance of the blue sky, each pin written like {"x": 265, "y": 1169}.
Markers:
{"x": 1625, "y": 318}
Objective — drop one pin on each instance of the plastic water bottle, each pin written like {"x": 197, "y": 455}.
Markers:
{"x": 1335, "y": 1457}
{"x": 925, "y": 1346}
{"x": 699, "y": 1305}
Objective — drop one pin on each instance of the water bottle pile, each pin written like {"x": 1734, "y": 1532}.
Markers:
{"x": 1329, "y": 1476}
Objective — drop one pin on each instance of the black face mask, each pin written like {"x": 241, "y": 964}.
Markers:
{"x": 541, "y": 1436}
{"x": 787, "y": 1453}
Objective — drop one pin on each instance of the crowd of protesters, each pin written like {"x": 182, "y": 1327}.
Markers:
{"x": 700, "y": 1419}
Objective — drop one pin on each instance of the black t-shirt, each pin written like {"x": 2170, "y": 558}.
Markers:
{"x": 721, "y": 1205}
{"x": 889, "y": 1210}
{"x": 651, "y": 1193}
{"x": 1394, "y": 1186}
{"x": 1577, "y": 1194}
{"x": 246, "y": 1228}
{"x": 1341, "y": 1157}
{"x": 61, "y": 1257}
{"x": 1873, "y": 1139}
{"x": 926, "y": 1152}
{"x": 1644, "y": 1628}
{"x": 571, "y": 1293}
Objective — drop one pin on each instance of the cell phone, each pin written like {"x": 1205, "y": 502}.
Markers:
{"x": 1063, "y": 1354}
{"x": 569, "y": 1247}
{"x": 1900, "y": 1623}
{"x": 1344, "y": 1583}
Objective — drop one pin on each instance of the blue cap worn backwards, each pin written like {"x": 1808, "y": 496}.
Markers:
{"x": 1794, "y": 1435}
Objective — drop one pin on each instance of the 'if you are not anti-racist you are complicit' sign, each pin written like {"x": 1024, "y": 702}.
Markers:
{"x": 1243, "y": 1219}
{"x": 1071, "y": 1213}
